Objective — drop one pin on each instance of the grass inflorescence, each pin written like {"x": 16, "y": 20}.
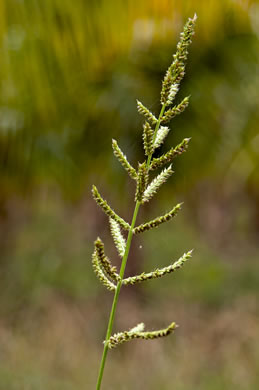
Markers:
{"x": 154, "y": 135}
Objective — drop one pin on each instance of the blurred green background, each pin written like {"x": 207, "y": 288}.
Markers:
{"x": 70, "y": 75}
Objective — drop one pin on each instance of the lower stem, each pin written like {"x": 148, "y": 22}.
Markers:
{"x": 116, "y": 296}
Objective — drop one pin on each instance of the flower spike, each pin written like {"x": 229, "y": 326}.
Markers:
{"x": 147, "y": 114}
{"x": 170, "y": 155}
{"x": 156, "y": 222}
{"x": 161, "y": 136}
{"x": 156, "y": 183}
{"x": 148, "y": 135}
{"x": 100, "y": 274}
{"x": 118, "y": 238}
{"x": 108, "y": 210}
{"x": 176, "y": 70}
{"x": 159, "y": 272}
{"x": 142, "y": 181}
{"x": 176, "y": 110}
{"x": 123, "y": 160}
{"x": 138, "y": 333}
{"x": 104, "y": 262}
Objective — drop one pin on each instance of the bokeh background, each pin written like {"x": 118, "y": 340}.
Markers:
{"x": 70, "y": 73}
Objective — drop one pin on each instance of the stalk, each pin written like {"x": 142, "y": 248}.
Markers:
{"x": 122, "y": 269}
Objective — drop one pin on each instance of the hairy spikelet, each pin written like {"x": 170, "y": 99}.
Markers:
{"x": 141, "y": 181}
{"x": 100, "y": 273}
{"x": 172, "y": 94}
{"x": 108, "y": 210}
{"x": 153, "y": 187}
{"x": 158, "y": 221}
{"x": 123, "y": 160}
{"x": 170, "y": 155}
{"x": 159, "y": 272}
{"x": 176, "y": 110}
{"x": 138, "y": 328}
{"x": 118, "y": 238}
{"x": 161, "y": 136}
{"x": 147, "y": 114}
{"x": 105, "y": 263}
{"x": 148, "y": 135}
{"x": 138, "y": 333}
{"x": 175, "y": 72}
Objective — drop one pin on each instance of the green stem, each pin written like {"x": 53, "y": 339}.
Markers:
{"x": 116, "y": 295}
{"x": 122, "y": 269}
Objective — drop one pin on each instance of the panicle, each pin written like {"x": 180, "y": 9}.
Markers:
{"x": 154, "y": 134}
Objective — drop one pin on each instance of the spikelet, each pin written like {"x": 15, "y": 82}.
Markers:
{"x": 161, "y": 136}
{"x": 123, "y": 160}
{"x": 176, "y": 110}
{"x": 142, "y": 181}
{"x": 118, "y": 238}
{"x": 176, "y": 70}
{"x": 156, "y": 183}
{"x": 157, "y": 221}
{"x": 138, "y": 328}
{"x": 170, "y": 155}
{"x": 172, "y": 93}
{"x": 104, "y": 262}
{"x": 147, "y": 114}
{"x": 100, "y": 274}
{"x": 107, "y": 209}
{"x": 138, "y": 333}
{"x": 148, "y": 135}
{"x": 159, "y": 272}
